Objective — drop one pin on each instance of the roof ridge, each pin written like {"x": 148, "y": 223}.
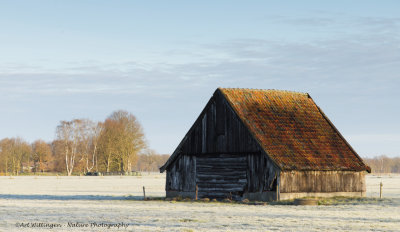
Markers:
{"x": 265, "y": 90}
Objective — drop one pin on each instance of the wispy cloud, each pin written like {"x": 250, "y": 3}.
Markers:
{"x": 340, "y": 63}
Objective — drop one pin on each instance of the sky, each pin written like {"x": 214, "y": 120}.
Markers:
{"x": 163, "y": 60}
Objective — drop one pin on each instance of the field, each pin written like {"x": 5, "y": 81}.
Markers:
{"x": 29, "y": 203}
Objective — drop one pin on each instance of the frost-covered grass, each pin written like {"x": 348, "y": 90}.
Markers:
{"x": 85, "y": 200}
{"x": 82, "y": 186}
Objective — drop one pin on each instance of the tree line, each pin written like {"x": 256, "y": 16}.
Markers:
{"x": 116, "y": 145}
{"x": 383, "y": 164}
{"x": 81, "y": 146}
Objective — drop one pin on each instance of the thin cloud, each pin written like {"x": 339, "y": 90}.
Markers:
{"x": 355, "y": 74}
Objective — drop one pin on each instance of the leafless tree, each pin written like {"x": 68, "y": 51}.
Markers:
{"x": 14, "y": 152}
{"x": 71, "y": 134}
{"x": 121, "y": 140}
{"x": 41, "y": 153}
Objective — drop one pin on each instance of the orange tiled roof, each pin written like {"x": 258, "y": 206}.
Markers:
{"x": 293, "y": 131}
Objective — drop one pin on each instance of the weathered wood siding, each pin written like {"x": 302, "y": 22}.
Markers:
{"x": 181, "y": 175}
{"x": 219, "y": 134}
{"x": 218, "y": 129}
{"x": 221, "y": 175}
{"x": 322, "y": 181}
{"x": 261, "y": 173}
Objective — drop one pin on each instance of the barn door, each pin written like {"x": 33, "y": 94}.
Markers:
{"x": 221, "y": 176}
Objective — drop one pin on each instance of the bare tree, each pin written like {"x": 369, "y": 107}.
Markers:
{"x": 41, "y": 153}
{"x": 5, "y": 154}
{"x": 57, "y": 160}
{"x": 150, "y": 161}
{"x": 90, "y": 139}
{"x": 132, "y": 142}
{"x": 122, "y": 139}
{"x": 14, "y": 153}
{"x": 149, "y": 158}
{"x": 70, "y": 133}
{"x": 383, "y": 164}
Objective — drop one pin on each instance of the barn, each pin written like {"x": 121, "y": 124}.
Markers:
{"x": 263, "y": 145}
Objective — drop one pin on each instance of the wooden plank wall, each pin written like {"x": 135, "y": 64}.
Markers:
{"x": 221, "y": 175}
{"x": 182, "y": 175}
{"x": 261, "y": 173}
{"x": 322, "y": 181}
{"x": 222, "y": 132}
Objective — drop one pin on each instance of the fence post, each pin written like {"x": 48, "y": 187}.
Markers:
{"x": 380, "y": 190}
{"x": 144, "y": 193}
{"x": 197, "y": 190}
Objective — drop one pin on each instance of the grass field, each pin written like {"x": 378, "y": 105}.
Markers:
{"x": 103, "y": 203}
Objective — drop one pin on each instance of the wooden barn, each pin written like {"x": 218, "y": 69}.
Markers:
{"x": 263, "y": 145}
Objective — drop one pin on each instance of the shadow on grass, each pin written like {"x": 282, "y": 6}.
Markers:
{"x": 339, "y": 200}
{"x": 358, "y": 201}
{"x": 321, "y": 201}
{"x": 69, "y": 197}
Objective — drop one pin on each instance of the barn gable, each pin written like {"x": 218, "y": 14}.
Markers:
{"x": 219, "y": 150}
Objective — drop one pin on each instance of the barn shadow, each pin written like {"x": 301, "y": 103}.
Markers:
{"x": 68, "y": 197}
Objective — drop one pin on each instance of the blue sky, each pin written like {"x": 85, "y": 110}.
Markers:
{"x": 162, "y": 61}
